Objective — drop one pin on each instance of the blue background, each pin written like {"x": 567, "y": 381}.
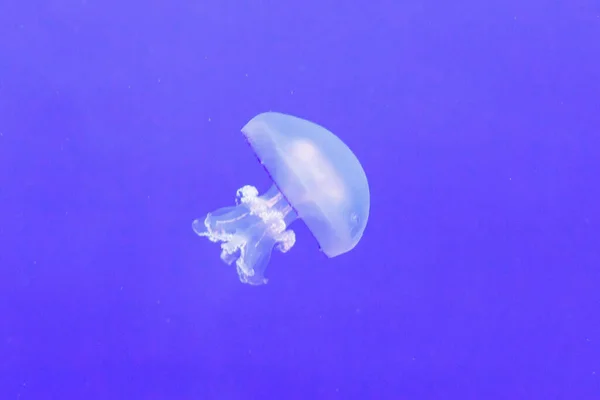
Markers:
{"x": 477, "y": 123}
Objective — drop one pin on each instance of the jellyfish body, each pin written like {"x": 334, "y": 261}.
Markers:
{"x": 316, "y": 178}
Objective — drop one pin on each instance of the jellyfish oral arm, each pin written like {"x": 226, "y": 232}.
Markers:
{"x": 249, "y": 231}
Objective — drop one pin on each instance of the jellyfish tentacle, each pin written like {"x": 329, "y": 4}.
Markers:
{"x": 250, "y": 231}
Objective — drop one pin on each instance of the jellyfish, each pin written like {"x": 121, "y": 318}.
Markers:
{"x": 315, "y": 178}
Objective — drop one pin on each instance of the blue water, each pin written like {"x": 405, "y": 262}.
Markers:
{"x": 477, "y": 124}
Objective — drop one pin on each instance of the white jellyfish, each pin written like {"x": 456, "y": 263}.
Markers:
{"x": 316, "y": 178}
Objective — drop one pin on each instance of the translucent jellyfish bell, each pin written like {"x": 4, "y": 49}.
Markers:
{"x": 316, "y": 178}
